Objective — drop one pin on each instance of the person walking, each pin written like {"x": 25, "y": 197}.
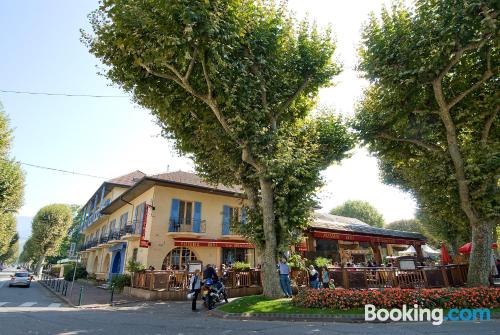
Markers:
{"x": 313, "y": 277}
{"x": 325, "y": 278}
{"x": 284, "y": 271}
{"x": 195, "y": 285}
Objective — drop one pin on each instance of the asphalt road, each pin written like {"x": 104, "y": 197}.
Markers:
{"x": 176, "y": 318}
{"x": 36, "y": 311}
{"x": 20, "y": 297}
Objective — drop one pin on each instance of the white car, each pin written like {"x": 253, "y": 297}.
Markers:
{"x": 22, "y": 278}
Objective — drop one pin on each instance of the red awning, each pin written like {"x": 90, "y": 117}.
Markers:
{"x": 186, "y": 242}
{"x": 363, "y": 238}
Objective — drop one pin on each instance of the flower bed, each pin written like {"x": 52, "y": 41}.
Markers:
{"x": 396, "y": 298}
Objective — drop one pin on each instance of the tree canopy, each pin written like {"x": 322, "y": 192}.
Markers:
{"x": 416, "y": 225}
{"x": 72, "y": 236}
{"x": 431, "y": 111}
{"x": 49, "y": 228}
{"x": 11, "y": 186}
{"x": 12, "y": 253}
{"x": 361, "y": 210}
{"x": 233, "y": 82}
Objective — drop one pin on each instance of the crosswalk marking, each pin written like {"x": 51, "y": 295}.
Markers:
{"x": 8, "y": 304}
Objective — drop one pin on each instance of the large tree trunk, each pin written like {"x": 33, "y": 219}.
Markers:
{"x": 270, "y": 280}
{"x": 495, "y": 240}
{"x": 480, "y": 257}
{"x": 482, "y": 234}
{"x": 39, "y": 266}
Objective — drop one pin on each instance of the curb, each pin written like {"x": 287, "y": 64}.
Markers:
{"x": 64, "y": 299}
{"x": 347, "y": 318}
{"x": 89, "y": 306}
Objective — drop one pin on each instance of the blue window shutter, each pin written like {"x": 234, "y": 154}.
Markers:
{"x": 141, "y": 219}
{"x": 135, "y": 225}
{"x": 124, "y": 221}
{"x": 243, "y": 215}
{"x": 174, "y": 214}
{"x": 226, "y": 225}
{"x": 197, "y": 217}
{"x": 102, "y": 197}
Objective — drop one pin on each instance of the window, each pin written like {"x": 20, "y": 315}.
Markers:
{"x": 134, "y": 254}
{"x": 123, "y": 220}
{"x": 139, "y": 217}
{"x": 178, "y": 258}
{"x": 231, "y": 255}
{"x": 234, "y": 214}
{"x": 112, "y": 226}
{"x": 185, "y": 212}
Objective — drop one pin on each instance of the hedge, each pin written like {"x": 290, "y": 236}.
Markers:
{"x": 396, "y": 298}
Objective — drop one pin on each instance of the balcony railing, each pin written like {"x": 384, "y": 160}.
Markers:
{"x": 116, "y": 235}
{"x": 187, "y": 226}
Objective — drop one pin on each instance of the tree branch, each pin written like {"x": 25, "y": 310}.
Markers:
{"x": 487, "y": 75}
{"x": 177, "y": 79}
{"x": 205, "y": 74}
{"x": 487, "y": 125}
{"x": 455, "y": 154}
{"x": 191, "y": 64}
{"x": 160, "y": 74}
{"x": 210, "y": 102}
{"x": 290, "y": 100}
{"x": 422, "y": 144}
{"x": 459, "y": 53}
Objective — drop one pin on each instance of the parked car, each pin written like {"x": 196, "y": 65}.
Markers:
{"x": 20, "y": 279}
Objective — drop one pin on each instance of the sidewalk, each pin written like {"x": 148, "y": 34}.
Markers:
{"x": 92, "y": 296}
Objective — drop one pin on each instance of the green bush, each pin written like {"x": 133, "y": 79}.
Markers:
{"x": 69, "y": 270}
{"x": 133, "y": 266}
{"x": 241, "y": 266}
{"x": 296, "y": 262}
{"x": 322, "y": 262}
{"x": 120, "y": 281}
{"x": 55, "y": 270}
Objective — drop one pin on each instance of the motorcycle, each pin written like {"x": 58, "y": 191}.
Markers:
{"x": 212, "y": 293}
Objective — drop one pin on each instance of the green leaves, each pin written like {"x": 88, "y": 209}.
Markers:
{"x": 11, "y": 187}
{"x": 453, "y": 43}
{"x": 360, "y": 210}
{"x": 234, "y": 83}
{"x": 50, "y": 225}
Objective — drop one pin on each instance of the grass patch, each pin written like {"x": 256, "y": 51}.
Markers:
{"x": 261, "y": 304}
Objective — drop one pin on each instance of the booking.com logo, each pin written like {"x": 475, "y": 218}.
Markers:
{"x": 435, "y": 315}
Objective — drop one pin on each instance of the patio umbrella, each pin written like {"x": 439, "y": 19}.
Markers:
{"x": 445, "y": 256}
{"x": 467, "y": 248}
{"x": 410, "y": 251}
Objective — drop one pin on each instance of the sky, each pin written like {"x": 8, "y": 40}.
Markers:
{"x": 41, "y": 51}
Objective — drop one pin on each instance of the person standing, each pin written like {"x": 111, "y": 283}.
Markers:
{"x": 325, "y": 278}
{"x": 313, "y": 277}
{"x": 195, "y": 285}
{"x": 284, "y": 271}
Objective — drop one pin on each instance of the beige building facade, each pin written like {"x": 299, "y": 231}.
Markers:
{"x": 164, "y": 221}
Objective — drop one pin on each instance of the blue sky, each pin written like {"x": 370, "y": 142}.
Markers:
{"x": 41, "y": 51}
